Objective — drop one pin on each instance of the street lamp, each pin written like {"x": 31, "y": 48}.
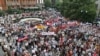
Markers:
{"x": 83, "y": 13}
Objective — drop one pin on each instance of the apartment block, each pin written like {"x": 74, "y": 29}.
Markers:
{"x": 4, "y": 4}
{"x": 20, "y": 3}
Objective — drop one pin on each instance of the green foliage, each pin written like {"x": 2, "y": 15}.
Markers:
{"x": 1, "y": 13}
{"x": 12, "y": 11}
{"x": 83, "y": 10}
{"x": 47, "y": 3}
{"x": 29, "y": 9}
{"x": 58, "y": 5}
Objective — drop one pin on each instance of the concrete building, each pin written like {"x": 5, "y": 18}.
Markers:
{"x": 20, "y": 3}
{"x": 4, "y": 4}
{"x": 40, "y": 1}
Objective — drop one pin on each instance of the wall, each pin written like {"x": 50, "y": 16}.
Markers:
{"x": 3, "y": 5}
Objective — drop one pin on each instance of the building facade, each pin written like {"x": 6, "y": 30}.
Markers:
{"x": 5, "y": 4}
{"x": 20, "y": 3}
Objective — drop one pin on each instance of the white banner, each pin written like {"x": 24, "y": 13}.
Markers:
{"x": 48, "y": 33}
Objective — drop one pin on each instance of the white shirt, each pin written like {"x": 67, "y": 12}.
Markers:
{"x": 26, "y": 44}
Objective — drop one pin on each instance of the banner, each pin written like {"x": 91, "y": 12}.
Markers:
{"x": 48, "y": 33}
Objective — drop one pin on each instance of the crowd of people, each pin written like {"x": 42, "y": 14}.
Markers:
{"x": 53, "y": 36}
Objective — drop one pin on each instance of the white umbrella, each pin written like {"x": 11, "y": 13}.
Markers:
{"x": 30, "y": 19}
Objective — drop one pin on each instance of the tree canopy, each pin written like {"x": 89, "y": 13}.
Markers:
{"x": 83, "y": 10}
{"x": 47, "y": 3}
{"x": 1, "y": 13}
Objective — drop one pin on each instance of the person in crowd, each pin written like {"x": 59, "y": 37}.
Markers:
{"x": 62, "y": 37}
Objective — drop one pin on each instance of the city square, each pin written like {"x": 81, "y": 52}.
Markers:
{"x": 49, "y": 28}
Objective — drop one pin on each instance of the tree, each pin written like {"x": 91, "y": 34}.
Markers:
{"x": 12, "y": 11}
{"x": 47, "y": 3}
{"x": 58, "y": 5}
{"x": 83, "y": 10}
{"x": 1, "y": 13}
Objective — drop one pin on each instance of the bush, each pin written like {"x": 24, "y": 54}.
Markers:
{"x": 82, "y": 10}
{"x": 12, "y": 11}
{"x": 1, "y": 13}
{"x": 29, "y": 10}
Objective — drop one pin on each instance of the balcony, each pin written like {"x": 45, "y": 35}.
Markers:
{"x": 28, "y": 3}
{"x": 13, "y": 3}
{"x": 24, "y": 3}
